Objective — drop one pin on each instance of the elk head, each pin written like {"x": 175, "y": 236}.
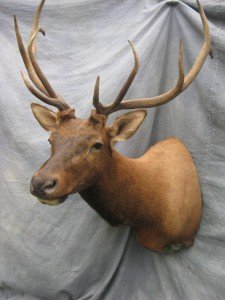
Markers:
{"x": 81, "y": 149}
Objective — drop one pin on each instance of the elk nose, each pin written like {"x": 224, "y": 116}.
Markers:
{"x": 41, "y": 187}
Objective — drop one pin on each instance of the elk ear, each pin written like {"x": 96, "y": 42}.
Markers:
{"x": 126, "y": 125}
{"x": 46, "y": 117}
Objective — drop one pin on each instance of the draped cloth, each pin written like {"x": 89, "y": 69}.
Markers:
{"x": 69, "y": 251}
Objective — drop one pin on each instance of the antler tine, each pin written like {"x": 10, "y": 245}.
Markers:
{"x": 51, "y": 101}
{"x": 32, "y": 49}
{"x": 182, "y": 83}
{"x": 107, "y": 109}
{"x": 161, "y": 99}
{"x": 131, "y": 77}
{"x": 206, "y": 49}
{"x": 96, "y": 93}
{"x": 35, "y": 25}
{"x": 31, "y": 72}
{"x": 36, "y": 67}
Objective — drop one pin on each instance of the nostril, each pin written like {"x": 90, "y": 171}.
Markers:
{"x": 49, "y": 185}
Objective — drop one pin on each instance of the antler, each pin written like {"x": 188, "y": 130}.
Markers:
{"x": 182, "y": 83}
{"x": 44, "y": 90}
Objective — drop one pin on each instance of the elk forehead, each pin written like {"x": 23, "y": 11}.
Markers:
{"x": 77, "y": 132}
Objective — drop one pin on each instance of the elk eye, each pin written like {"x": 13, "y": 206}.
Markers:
{"x": 98, "y": 146}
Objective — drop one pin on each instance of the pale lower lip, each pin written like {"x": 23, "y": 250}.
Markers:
{"x": 52, "y": 202}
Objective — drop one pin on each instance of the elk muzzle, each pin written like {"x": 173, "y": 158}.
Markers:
{"x": 45, "y": 189}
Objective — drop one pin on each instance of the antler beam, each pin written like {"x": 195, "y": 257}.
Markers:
{"x": 182, "y": 83}
{"x": 44, "y": 90}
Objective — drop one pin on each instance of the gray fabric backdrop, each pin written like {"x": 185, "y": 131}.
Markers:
{"x": 68, "y": 251}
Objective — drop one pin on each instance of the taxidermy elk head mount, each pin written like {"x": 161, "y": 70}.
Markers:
{"x": 82, "y": 150}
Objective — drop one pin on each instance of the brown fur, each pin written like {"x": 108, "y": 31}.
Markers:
{"x": 157, "y": 194}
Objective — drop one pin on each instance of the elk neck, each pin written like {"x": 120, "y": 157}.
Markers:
{"x": 116, "y": 195}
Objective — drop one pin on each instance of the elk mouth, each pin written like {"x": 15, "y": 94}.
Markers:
{"x": 53, "y": 202}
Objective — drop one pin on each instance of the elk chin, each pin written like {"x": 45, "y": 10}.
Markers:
{"x": 52, "y": 202}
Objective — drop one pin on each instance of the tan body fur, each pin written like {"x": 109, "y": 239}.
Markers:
{"x": 158, "y": 194}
